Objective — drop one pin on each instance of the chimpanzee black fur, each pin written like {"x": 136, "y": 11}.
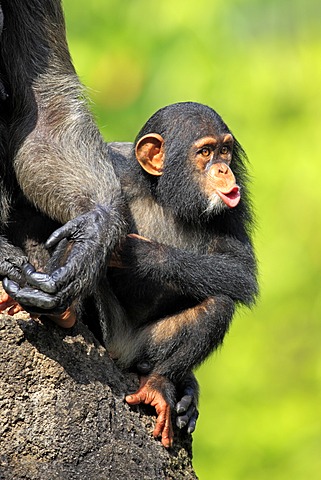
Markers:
{"x": 52, "y": 153}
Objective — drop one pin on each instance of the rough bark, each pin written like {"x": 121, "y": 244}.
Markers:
{"x": 63, "y": 414}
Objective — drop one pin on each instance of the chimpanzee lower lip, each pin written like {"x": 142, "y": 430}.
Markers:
{"x": 232, "y": 198}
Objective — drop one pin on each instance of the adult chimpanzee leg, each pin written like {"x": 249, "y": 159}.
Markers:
{"x": 56, "y": 152}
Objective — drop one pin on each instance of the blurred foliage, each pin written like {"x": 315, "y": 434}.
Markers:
{"x": 258, "y": 63}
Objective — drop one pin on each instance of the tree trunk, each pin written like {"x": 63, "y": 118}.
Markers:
{"x": 63, "y": 414}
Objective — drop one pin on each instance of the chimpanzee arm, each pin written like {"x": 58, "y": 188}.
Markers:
{"x": 230, "y": 270}
{"x": 59, "y": 157}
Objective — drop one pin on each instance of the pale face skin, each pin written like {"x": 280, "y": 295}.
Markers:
{"x": 213, "y": 156}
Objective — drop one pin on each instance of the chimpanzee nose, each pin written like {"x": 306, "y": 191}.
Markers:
{"x": 222, "y": 169}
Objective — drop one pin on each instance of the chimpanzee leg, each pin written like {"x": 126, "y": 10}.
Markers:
{"x": 173, "y": 346}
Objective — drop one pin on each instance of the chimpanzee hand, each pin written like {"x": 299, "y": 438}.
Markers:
{"x": 187, "y": 412}
{"x": 18, "y": 272}
{"x": 186, "y": 408}
{"x": 90, "y": 241}
{"x": 15, "y": 268}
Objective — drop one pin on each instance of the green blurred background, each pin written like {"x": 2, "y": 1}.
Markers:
{"x": 258, "y": 63}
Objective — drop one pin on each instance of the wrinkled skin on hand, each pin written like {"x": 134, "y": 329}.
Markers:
{"x": 87, "y": 237}
{"x": 65, "y": 320}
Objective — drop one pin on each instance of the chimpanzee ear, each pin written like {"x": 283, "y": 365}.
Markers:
{"x": 150, "y": 153}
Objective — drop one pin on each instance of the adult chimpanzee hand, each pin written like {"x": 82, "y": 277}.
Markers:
{"x": 15, "y": 268}
{"x": 82, "y": 248}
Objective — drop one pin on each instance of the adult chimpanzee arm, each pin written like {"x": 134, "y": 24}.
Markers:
{"x": 56, "y": 149}
{"x": 230, "y": 270}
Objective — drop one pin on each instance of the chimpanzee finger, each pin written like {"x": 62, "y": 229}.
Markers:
{"x": 12, "y": 267}
{"x": 183, "y": 420}
{"x": 32, "y": 298}
{"x": 13, "y": 273}
{"x": 189, "y": 420}
{"x": 11, "y": 287}
{"x": 61, "y": 233}
{"x": 40, "y": 280}
{"x": 36, "y": 299}
{"x": 192, "y": 423}
{"x": 183, "y": 405}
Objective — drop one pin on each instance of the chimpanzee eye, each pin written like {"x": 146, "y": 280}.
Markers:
{"x": 224, "y": 150}
{"x": 205, "y": 151}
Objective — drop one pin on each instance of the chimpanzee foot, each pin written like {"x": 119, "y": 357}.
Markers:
{"x": 149, "y": 395}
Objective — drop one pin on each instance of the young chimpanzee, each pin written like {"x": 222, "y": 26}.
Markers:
{"x": 189, "y": 259}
